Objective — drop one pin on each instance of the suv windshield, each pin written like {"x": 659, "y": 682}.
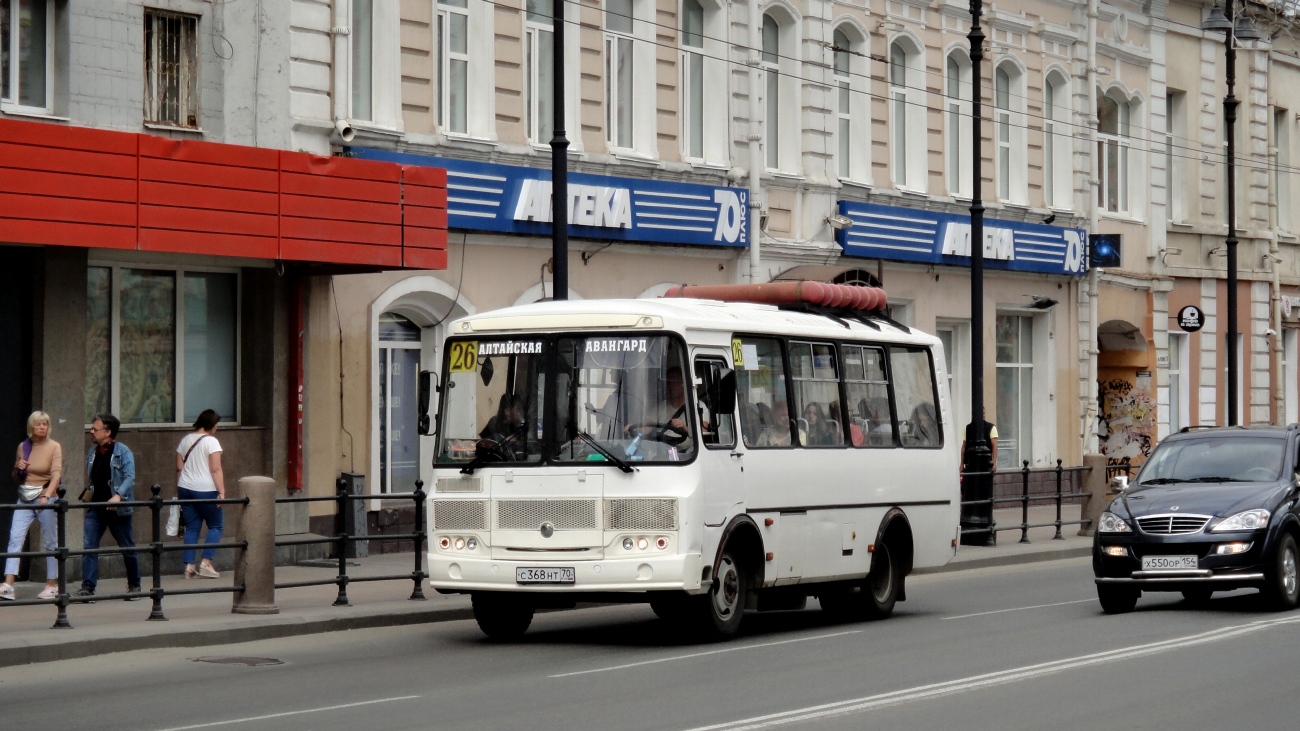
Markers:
{"x": 618, "y": 396}
{"x": 1253, "y": 458}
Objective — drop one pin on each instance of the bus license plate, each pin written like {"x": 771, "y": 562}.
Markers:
{"x": 1169, "y": 563}
{"x": 555, "y": 575}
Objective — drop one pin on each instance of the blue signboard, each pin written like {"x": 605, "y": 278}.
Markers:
{"x": 510, "y": 199}
{"x": 908, "y": 234}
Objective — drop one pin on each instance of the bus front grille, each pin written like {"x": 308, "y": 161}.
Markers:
{"x": 460, "y": 515}
{"x": 641, "y": 514}
{"x": 561, "y": 514}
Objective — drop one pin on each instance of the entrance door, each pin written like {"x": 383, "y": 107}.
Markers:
{"x": 16, "y": 364}
{"x": 399, "y": 370}
{"x": 720, "y": 462}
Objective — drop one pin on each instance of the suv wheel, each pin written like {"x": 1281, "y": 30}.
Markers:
{"x": 1281, "y": 583}
{"x": 1117, "y": 599}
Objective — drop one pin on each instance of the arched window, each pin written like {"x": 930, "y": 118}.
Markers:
{"x": 692, "y": 87}
{"x": 619, "y": 89}
{"x": 772, "y": 69}
{"x": 843, "y": 99}
{"x": 1009, "y": 133}
{"x": 907, "y": 115}
{"x": 399, "y": 370}
{"x": 1057, "y": 168}
{"x": 957, "y": 123}
{"x": 1113, "y": 145}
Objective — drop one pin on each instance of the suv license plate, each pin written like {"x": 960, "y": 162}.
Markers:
{"x": 1169, "y": 563}
{"x": 557, "y": 575}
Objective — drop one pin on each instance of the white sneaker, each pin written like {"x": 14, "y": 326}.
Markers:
{"x": 7, "y": 592}
{"x": 50, "y": 592}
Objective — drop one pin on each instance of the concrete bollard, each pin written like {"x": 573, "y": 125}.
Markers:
{"x": 255, "y": 565}
{"x": 1094, "y": 483}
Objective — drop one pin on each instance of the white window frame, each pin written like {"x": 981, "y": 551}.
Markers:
{"x": 957, "y": 124}
{"x": 1179, "y": 401}
{"x": 1027, "y": 398}
{"x": 446, "y": 60}
{"x": 1282, "y": 166}
{"x": 1121, "y": 142}
{"x": 385, "y": 68}
{"x": 115, "y": 340}
{"x": 534, "y": 123}
{"x": 1058, "y": 171}
{"x": 957, "y": 360}
{"x": 1290, "y": 375}
{"x": 187, "y": 105}
{"x": 782, "y": 129}
{"x": 841, "y": 70}
{"x": 771, "y": 63}
{"x": 908, "y": 130}
{"x": 692, "y": 98}
{"x": 1010, "y": 161}
{"x": 11, "y": 103}
{"x": 1175, "y": 161}
{"x": 384, "y": 413}
{"x": 620, "y": 47}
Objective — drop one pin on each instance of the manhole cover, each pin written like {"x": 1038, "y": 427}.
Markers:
{"x": 249, "y": 661}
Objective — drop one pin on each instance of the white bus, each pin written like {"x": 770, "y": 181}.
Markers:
{"x": 706, "y": 457}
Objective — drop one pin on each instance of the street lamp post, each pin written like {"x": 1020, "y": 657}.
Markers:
{"x": 1220, "y": 20}
{"x": 559, "y": 166}
{"x": 978, "y": 456}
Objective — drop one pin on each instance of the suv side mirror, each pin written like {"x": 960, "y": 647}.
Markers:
{"x": 425, "y": 389}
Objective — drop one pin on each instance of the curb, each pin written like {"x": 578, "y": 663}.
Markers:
{"x": 1058, "y": 554}
{"x": 273, "y": 629}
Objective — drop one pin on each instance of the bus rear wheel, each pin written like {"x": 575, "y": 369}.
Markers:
{"x": 872, "y": 598}
{"x": 718, "y": 613}
{"x": 501, "y": 616}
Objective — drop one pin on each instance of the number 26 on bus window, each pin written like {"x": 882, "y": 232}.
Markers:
{"x": 464, "y": 357}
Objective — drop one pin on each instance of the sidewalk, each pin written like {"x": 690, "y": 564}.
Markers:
{"x": 204, "y": 619}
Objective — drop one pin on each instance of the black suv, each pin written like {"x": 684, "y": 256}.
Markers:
{"x": 1211, "y": 510}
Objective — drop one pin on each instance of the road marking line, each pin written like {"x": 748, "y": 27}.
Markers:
{"x": 867, "y": 703}
{"x": 1019, "y": 609}
{"x": 702, "y": 654}
{"x": 290, "y": 713}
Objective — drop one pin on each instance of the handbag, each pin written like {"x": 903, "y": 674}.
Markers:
{"x": 86, "y": 494}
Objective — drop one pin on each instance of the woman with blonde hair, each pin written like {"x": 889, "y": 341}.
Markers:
{"x": 37, "y": 471}
{"x": 199, "y": 476}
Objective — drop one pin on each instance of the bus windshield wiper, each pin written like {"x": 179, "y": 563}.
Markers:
{"x": 591, "y": 441}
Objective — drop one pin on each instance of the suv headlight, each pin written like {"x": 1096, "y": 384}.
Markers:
{"x": 1248, "y": 520}
{"x": 1112, "y": 523}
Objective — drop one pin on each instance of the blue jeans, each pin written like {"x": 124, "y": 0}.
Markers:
{"x": 192, "y": 516}
{"x": 22, "y": 520}
{"x": 99, "y": 520}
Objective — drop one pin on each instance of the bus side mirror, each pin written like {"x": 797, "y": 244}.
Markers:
{"x": 726, "y": 395}
{"x": 425, "y": 389}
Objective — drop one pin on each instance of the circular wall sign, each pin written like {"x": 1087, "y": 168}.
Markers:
{"x": 1191, "y": 319}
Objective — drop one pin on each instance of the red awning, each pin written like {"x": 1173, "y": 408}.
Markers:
{"x": 76, "y": 186}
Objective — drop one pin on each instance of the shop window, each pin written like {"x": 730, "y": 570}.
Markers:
{"x": 399, "y": 370}
{"x": 26, "y": 54}
{"x": 761, "y": 393}
{"x": 453, "y": 65}
{"x": 171, "y": 69}
{"x": 815, "y": 376}
{"x": 866, "y": 387}
{"x": 1015, "y": 389}
{"x": 161, "y": 344}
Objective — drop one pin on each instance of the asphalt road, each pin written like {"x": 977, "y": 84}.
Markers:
{"x": 1011, "y": 648}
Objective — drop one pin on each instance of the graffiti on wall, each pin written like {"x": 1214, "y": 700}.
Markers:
{"x": 1128, "y": 418}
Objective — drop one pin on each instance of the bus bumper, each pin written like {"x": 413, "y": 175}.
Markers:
{"x": 659, "y": 573}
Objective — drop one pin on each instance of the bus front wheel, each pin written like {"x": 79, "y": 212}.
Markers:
{"x": 501, "y": 616}
{"x": 719, "y": 612}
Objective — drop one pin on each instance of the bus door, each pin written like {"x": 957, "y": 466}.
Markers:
{"x": 720, "y": 462}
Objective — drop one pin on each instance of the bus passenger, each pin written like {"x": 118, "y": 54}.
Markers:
{"x": 777, "y": 433}
{"x": 818, "y": 432}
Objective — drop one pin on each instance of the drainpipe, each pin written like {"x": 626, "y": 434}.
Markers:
{"x": 755, "y": 139}
{"x": 1090, "y": 444}
{"x": 340, "y": 69}
{"x": 1275, "y": 294}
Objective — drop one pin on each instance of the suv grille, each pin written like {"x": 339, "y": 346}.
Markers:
{"x": 1172, "y": 524}
{"x": 530, "y": 514}
{"x": 644, "y": 514}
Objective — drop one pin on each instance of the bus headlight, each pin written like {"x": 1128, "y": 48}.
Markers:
{"x": 627, "y": 544}
{"x": 460, "y": 544}
{"x": 642, "y": 543}
{"x": 471, "y": 543}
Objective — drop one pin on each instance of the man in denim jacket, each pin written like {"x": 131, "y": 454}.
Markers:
{"x": 110, "y": 469}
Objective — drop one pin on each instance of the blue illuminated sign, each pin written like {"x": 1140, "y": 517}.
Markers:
{"x": 511, "y": 199}
{"x": 908, "y": 234}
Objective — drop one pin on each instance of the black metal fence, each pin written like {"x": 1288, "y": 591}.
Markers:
{"x": 156, "y": 548}
{"x": 985, "y": 524}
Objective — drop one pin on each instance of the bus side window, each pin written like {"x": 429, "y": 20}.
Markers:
{"x": 866, "y": 384}
{"x": 717, "y": 427}
{"x": 761, "y": 394}
{"x": 915, "y": 395}
{"x": 815, "y": 375}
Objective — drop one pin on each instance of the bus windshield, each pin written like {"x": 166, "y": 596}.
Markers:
{"x": 627, "y": 394}
{"x": 614, "y": 395}
{"x": 491, "y": 401}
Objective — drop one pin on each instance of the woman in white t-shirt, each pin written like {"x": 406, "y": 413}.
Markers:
{"x": 198, "y": 477}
